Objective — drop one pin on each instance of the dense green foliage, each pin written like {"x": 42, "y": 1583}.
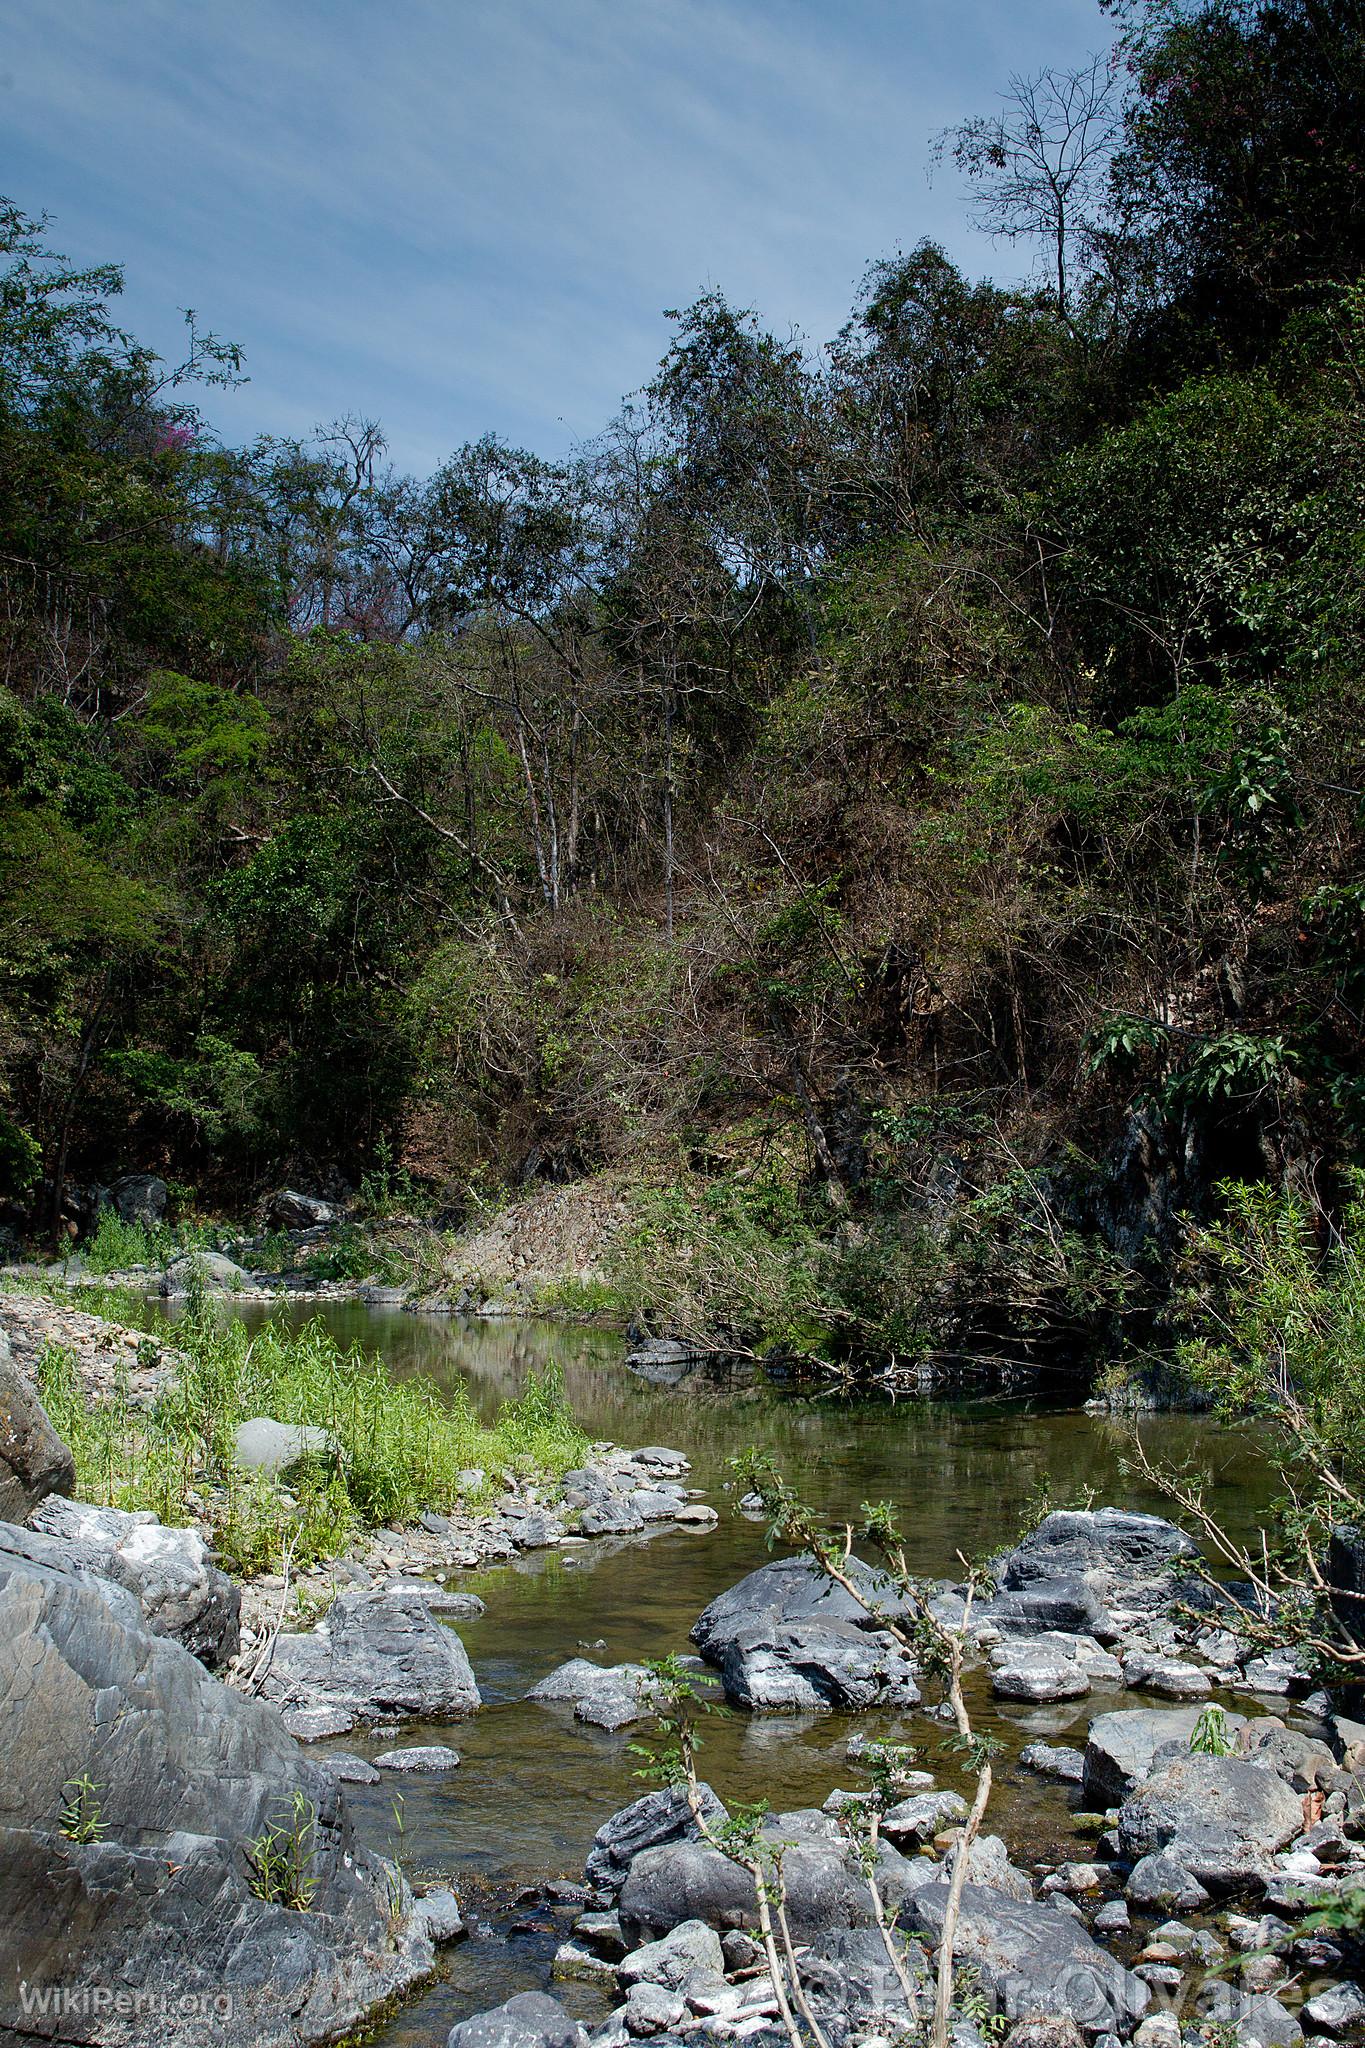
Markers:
{"x": 901, "y": 803}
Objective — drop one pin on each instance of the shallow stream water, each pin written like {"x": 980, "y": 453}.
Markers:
{"x": 533, "y": 1785}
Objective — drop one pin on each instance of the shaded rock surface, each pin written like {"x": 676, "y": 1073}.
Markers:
{"x": 187, "y": 1775}
{"x": 34, "y": 1461}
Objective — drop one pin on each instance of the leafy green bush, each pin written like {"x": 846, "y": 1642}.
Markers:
{"x": 1280, "y": 1318}
{"x": 114, "y": 1245}
{"x": 732, "y": 1257}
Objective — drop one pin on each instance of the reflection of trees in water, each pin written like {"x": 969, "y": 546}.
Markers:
{"x": 962, "y": 1472}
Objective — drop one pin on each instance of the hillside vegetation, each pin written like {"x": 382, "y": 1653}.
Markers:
{"x": 895, "y": 808}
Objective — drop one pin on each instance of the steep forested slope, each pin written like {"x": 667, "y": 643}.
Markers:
{"x": 897, "y": 806}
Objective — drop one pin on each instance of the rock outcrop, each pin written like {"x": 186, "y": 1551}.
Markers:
{"x": 180, "y": 1590}
{"x": 34, "y": 1462}
{"x": 135, "y": 1788}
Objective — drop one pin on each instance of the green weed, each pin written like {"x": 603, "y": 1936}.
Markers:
{"x": 398, "y": 1445}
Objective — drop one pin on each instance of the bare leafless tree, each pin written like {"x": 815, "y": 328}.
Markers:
{"x": 1039, "y": 168}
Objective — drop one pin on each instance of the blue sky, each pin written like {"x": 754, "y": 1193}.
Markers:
{"x": 454, "y": 215}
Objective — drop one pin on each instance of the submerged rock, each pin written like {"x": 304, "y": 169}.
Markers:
{"x": 134, "y": 1789}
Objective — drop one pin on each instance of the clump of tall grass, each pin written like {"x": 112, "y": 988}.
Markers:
{"x": 397, "y": 1446}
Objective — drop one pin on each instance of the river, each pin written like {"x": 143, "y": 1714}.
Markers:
{"x": 533, "y": 1785}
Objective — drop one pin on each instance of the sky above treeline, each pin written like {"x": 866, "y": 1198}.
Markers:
{"x": 458, "y": 216}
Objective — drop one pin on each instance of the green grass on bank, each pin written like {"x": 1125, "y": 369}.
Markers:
{"x": 400, "y": 1445}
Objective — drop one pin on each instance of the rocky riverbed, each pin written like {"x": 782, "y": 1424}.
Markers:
{"x": 1142, "y": 1889}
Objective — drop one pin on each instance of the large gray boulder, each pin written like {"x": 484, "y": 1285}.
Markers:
{"x": 291, "y": 1209}
{"x": 689, "y": 1880}
{"x": 792, "y": 1589}
{"x": 180, "y": 1590}
{"x": 649, "y": 1822}
{"x": 34, "y": 1462}
{"x": 146, "y": 1889}
{"x": 261, "y": 1444}
{"x": 530, "y": 2020}
{"x": 1033, "y": 1961}
{"x": 140, "y": 1198}
{"x": 809, "y": 1666}
{"x": 213, "y": 1271}
{"x": 1077, "y": 1566}
{"x": 375, "y": 1656}
{"x": 787, "y": 1639}
{"x": 1123, "y": 1747}
{"x": 1129, "y": 1560}
{"x": 1219, "y": 1817}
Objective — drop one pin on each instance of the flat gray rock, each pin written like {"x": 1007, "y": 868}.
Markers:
{"x": 428, "y": 1756}
{"x": 1054, "y": 1762}
{"x": 376, "y": 1656}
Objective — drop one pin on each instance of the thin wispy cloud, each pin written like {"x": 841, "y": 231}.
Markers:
{"x": 456, "y": 216}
